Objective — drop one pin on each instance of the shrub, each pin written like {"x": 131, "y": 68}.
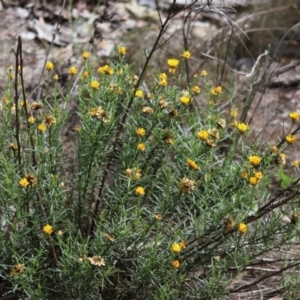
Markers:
{"x": 159, "y": 197}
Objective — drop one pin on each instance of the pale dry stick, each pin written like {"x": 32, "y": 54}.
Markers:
{"x": 57, "y": 29}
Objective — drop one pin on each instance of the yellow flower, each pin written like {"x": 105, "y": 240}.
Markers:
{"x": 73, "y": 71}
{"x": 294, "y": 116}
{"x": 163, "y": 76}
{"x": 48, "y": 229}
{"x": 186, "y": 185}
{"x": 254, "y": 160}
{"x": 42, "y": 127}
{"x": 203, "y": 135}
{"x": 133, "y": 173}
{"x": 97, "y": 260}
{"x": 176, "y": 247}
{"x": 49, "y": 66}
{"x": 139, "y": 94}
{"x": 85, "y": 74}
{"x": 258, "y": 175}
{"x": 242, "y": 228}
{"x": 290, "y": 139}
{"x": 295, "y": 163}
{"x": 196, "y": 89}
{"x": 23, "y": 182}
{"x": 203, "y": 73}
{"x": 140, "y": 131}
{"x": 122, "y": 50}
{"x": 186, "y": 54}
{"x": 140, "y": 191}
{"x": 216, "y": 91}
{"x": 49, "y": 120}
{"x": 185, "y": 100}
{"x": 158, "y": 217}
{"x": 242, "y": 127}
{"x": 105, "y": 70}
{"x": 31, "y": 119}
{"x": 86, "y": 55}
{"x": 55, "y": 77}
{"x": 234, "y": 112}
{"x": 141, "y": 146}
{"x": 176, "y": 263}
{"x": 95, "y": 85}
{"x": 274, "y": 150}
{"x": 192, "y": 164}
{"x": 173, "y": 64}
{"x": 163, "y": 82}
{"x": 253, "y": 180}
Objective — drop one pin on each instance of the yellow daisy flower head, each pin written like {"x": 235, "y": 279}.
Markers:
{"x": 242, "y": 127}
{"x": 48, "y": 229}
{"x": 294, "y": 116}
{"x": 185, "y": 100}
{"x": 42, "y": 127}
{"x": 254, "y": 160}
{"x": 196, "y": 89}
{"x": 234, "y": 112}
{"x": 141, "y": 146}
{"x": 274, "y": 150}
{"x": 203, "y": 135}
{"x": 139, "y": 191}
{"x": 258, "y": 175}
{"x": 122, "y": 50}
{"x": 95, "y": 85}
{"x": 163, "y": 82}
{"x": 176, "y": 247}
{"x": 73, "y": 71}
{"x": 23, "y": 182}
{"x": 186, "y": 54}
{"x": 31, "y": 120}
{"x": 176, "y": 263}
{"x": 192, "y": 164}
{"x": 295, "y": 163}
{"x": 49, "y": 66}
{"x": 16, "y": 269}
{"x": 173, "y": 64}
{"x": 86, "y": 55}
{"x": 140, "y": 131}
{"x": 163, "y": 76}
{"x": 290, "y": 139}
{"x": 216, "y": 91}
{"x": 139, "y": 94}
{"x": 203, "y": 73}
{"x": 242, "y": 228}
{"x": 55, "y": 77}
{"x": 253, "y": 180}
{"x": 106, "y": 69}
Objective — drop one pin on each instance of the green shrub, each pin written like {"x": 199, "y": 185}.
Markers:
{"x": 157, "y": 196}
